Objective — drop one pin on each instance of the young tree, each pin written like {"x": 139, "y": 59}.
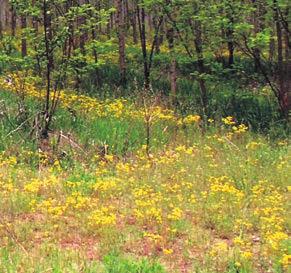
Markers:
{"x": 141, "y": 8}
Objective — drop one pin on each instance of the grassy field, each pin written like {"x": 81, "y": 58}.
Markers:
{"x": 128, "y": 188}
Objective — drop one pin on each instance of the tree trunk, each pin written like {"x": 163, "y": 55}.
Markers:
{"x": 142, "y": 32}
{"x": 230, "y": 46}
{"x": 200, "y": 64}
{"x": 49, "y": 58}
{"x": 287, "y": 62}
{"x": 95, "y": 54}
{"x": 271, "y": 49}
{"x": 283, "y": 73}
{"x": 2, "y": 17}
{"x": 159, "y": 39}
{"x": 84, "y": 33}
{"x": 134, "y": 29}
{"x": 121, "y": 41}
{"x": 173, "y": 66}
{"x": 1, "y": 29}
{"x": 23, "y": 39}
{"x": 13, "y": 21}
{"x": 256, "y": 15}
{"x": 229, "y": 35}
{"x": 126, "y": 15}
{"x": 34, "y": 20}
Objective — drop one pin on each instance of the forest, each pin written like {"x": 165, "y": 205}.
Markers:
{"x": 145, "y": 136}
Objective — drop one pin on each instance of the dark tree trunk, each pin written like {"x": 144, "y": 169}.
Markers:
{"x": 160, "y": 36}
{"x": 34, "y": 20}
{"x": 2, "y": 16}
{"x": 283, "y": 68}
{"x": 230, "y": 46}
{"x": 95, "y": 55}
{"x": 197, "y": 29}
{"x": 272, "y": 47}
{"x": 126, "y": 15}
{"x": 121, "y": 41}
{"x": 134, "y": 28}
{"x": 84, "y": 33}
{"x": 1, "y": 29}
{"x": 173, "y": 66}
{"x": 256, "y": 23}
{"x": 23, "y": 39}
{"x": 288, "y": 60}
{"x": 142, "y": 32}
{"x": 13, "y": 21}
{"x": 49, "y": 57}
{"x": 229, "y": 35}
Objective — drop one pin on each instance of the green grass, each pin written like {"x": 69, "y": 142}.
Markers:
{"x": 68, "y": 261}
{"x": 209, "y": 177}
{"x": 116, "y": 264}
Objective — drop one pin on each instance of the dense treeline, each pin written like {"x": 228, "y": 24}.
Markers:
{"x": 160, "y": 45}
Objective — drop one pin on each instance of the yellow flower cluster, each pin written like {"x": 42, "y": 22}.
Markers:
{"x": 269, "y": 214}
{"x": 286, "y": 261}
{"x": 118, "y": 108}
{"x": 190, "y": 119}
{"x": 242, "y": 128}
{"x": 223, "y": 185}
{"x": 147, "y": 206}
{"x": 219, "y": 248}
{"x": 49, "y": 206}
{"x": 176, "y": 214}
{"x": 200, "y": 196}
{"x": 236, "y": 128}
{"x": 103, "y": 216}
{"x": 253, "y": 145}
{"x": 7, "y": 161}
{"x": 228, "y": 120}
{"x": 77, "y": 201}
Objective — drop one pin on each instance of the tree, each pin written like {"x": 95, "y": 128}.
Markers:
{"x": 121, "y": 41}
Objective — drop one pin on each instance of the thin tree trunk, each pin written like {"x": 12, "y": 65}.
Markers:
{"x": 35, "y": 28}
{"x": 13, "y": 21}
{"x": 200, "y": 63}
{"x": 230, "y": 46}
{"x": 173, "y": 66}
{"x": 121, "y": 41}
{"x": 95, "y": 55}
{"x": 84, "y": 34}
{"x": 23, "y": 39}
{"x": 283, "y": 81}
{"x": 2, "y": 17}
{"x": 287, "y": 60}
{"x": 257, "y": 53}
{"x": 134, "y": 28}
{"x": 126, "y": 15}
{"x": 34, "y": 20}
{"x": 142, "y": 32}
{"x": 229, "y": 35}
{"x": 271, "y": 49}
{"x": 49, "y": 57}
{"x": 1, "y": 29}
{"x": 160, "y": 37}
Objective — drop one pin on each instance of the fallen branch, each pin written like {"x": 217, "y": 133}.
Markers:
{"x": 19, "y": 127}
{"x": 13, "y": 236}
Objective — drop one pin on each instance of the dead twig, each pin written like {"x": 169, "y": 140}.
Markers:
{"x": 72, "y": 143}
{"x": 19, "y": 127}
{"x": 13, "y": 236}
{"x": 231, "y": 143}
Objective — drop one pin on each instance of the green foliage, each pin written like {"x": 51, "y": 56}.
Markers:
{"x": 116, "y": 264}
